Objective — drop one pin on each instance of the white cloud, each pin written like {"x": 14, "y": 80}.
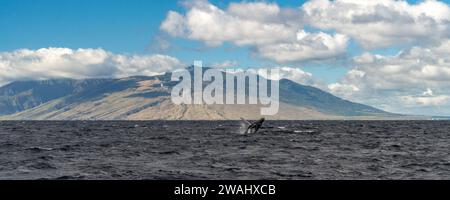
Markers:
{"x": 225, "y": 64}
{"x": 206, "y": 22}
{"x": 425, "y": 100}
{"x": 145, "y": 65}
{"x": 174, "y": 24}
{"x": 308, "y": 46}
{"x": 276, "y": 33}
{"x": 416, "y": 77}
{"x": 291, "y": 73}
{"x": 343, "y": 89}
{"x": 48, "y": 63}
{"x": 428, "y": 93}
{"x": 261, "y": 11}
{"x": 381, "y": 23}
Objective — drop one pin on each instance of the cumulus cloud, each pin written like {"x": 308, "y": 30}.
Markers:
{"x": 381, "y": 23}
{"x": 264, "y": 26}
{"x": 425, "y": 100}
{"x": 225, "y": 64}
{"x": 145, "y": 65}
{"x": 45, "y": 63}
{"x": 308, "y": 46}
{"x": 428, "y": 93}
{"x": 212, "y": 25}
{"x": 278, "y": 34}
{"x": 292, "y": 73}
{"x": 418, "y": 76}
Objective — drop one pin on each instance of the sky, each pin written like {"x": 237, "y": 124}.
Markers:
{"x": 389, "y": 54}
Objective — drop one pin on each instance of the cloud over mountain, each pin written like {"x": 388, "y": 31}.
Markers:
{"x": 391, "y": 54}
{"x": 45, "y": 63}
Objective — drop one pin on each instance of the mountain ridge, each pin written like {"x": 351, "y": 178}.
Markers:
{"x": 148, "y": 98}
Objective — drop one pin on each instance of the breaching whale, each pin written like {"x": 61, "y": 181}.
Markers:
{"x": 253, "y": 127}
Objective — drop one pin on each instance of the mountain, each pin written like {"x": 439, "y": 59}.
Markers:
{"x": 148, "y": 98}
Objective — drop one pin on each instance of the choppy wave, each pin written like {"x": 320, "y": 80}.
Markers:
{"x": 217, "y": 150}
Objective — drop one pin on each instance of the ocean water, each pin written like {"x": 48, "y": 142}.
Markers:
{"x": 217, "y": 150}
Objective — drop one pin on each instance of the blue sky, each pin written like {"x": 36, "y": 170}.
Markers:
{"x": 119, "y": 26}
{"x": 116, "y": 25}
{"x": 368, "y": 57}
{"x": 125, "y": 26}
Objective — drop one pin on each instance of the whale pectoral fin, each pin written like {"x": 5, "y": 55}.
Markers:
{"x": 249, "y": 131}
{"x": 245, "y": 121}
{"x": 252, "y": 128}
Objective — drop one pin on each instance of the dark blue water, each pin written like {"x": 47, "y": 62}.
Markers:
{"x": 217, "y": 150}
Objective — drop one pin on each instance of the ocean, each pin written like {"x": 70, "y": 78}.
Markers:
{"x": 203, "y": 150}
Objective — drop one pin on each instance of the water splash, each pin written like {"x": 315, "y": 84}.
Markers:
{"x": 242, "y": 128}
